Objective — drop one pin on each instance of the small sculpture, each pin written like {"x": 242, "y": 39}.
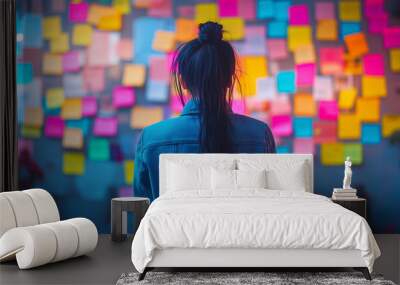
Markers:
{"x": 347, "y": 174}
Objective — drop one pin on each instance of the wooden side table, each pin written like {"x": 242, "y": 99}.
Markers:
{"x": 119, "y": 208}
{"x": 357, "y": 205}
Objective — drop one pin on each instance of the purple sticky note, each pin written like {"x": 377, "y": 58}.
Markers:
{"x": 282, "y": 125}
{"x": 277, "y": 48}
{"x": 186, "y": 11}
{"x": 125, "y": 192}
{"x": 391, "y": 37}
{"x": 324, "y": 11}
{"x": 298, "y": 15}
{"x": 71, "y": 61}
{"x": 105, "y": 127}
{"x": 54, "y": 127}
{"x": 228, "y": 8}
{"x": 303, "y": 146}
{"x": 305, "y": 74}
{"x": 78, "y": 12}
{"x": 373, "y": 64}
{"x": 159, "y": 69}
{"x": 328, "y": 110}
{"x": 373, "y": 8}
{"x": 89, "y": 106}
{"x": 116, "y": 152}
{"x": 377, "y": 24}
{"x": 123, "y": 97}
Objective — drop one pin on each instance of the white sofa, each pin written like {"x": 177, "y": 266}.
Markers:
{"x": 31, "y": 230}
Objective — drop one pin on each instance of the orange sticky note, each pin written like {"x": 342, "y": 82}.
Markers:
{"x": 33, "y": 117}
{"x": 71, "y": 109}
{"x": 304, "y": 105}
{"x": 327, "y": 30}
{"x": 304, "y": 54}
{"x": 73, "y": 138}
{"x": 134, "y": 75}
{"x": 233, "y": 28}
{"x": 368, "y": 110}
{"x": 395, "y": 59}
{"x": 352, "y": 65}
{"x": 347, "y": 98}
{"x": 349, "y": 126}
{"x": 356, "y": 44}
{"x": 390, "y": 124}
{"x": 110, "y": 22}
{"x": 52, "y": 64}
{"x": 164, "y": 41}
{"x": 206, "y": 12}
{"x": 373, "y": 86}
{"x": 299, "y": 36}
{"x": 332, "y": 153}
{"x": 142, "y": 117}
{"x": 82, "y": 35}
{"x": 253, "y": 67}
{"x": 60, "y": 43}
{"x": 186, "y": 30}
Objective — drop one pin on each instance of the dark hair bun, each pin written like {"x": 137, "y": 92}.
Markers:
{"x": 210, "y": 32}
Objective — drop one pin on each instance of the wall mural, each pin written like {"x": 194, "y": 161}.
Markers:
{"x": 91, "y": 74}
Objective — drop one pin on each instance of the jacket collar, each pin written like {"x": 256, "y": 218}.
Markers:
{"x": 192, "y": 107}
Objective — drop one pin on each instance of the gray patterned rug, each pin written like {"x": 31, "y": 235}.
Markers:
{"x": 243, "y": 278}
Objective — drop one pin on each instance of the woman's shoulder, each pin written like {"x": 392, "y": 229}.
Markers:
{"x": 243, "y": 119}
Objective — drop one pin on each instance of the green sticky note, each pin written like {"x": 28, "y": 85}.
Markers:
{"x": 99, "y": 149}
{"x": 355, "y": 151}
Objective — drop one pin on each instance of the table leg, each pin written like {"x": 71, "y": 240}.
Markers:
{"x": 116, "y": 222}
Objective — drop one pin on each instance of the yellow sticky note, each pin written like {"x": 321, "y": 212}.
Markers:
{"x": 332, "y": 153}
{"x": 164, "y": 41}
{"x": 390, "y": 124}
{"x": 73, "y": 138}
{"x": 354, "y": 151}
{"x": 373, "y": 86}
{"x": 110, "y": 22}
{"x": 186, "y": 30}
{"x": 128, "y": 171}
{"x": 31, "y": 132}
{"x": 233, "y": 28}
{"x": 52, "y": 64}
{"x": 74, "y": 163}
{"x": 299, "y": 36}
{"x": 33, "y": 116}
{"x": 96, "y": 12}
{"x": 347, "y": 98}
{"x": 356, "y": 44}
{"x": 395, "y": 59}
{"x": 71, "y": 109}
{"x": 368, "y": 110}
{"x": 327, "y": 30}
{"x": 352, "y": 66}
{"x": 350, "y": 10}
{"x": 253, "y": 67}
{"x": 134, "y": 75}
{"x": 51, "y": 27}
{"x": 82, "y": 35}
{"x": 304, "y": 54}
{"x": 54, "y": 98}
{"x": 142, "y": 117}
{"x": 206, "y": 12}
{"x": 349, "y": 126}
{"x": 123, "y": 6}
{"x": 60, "y": 43}
{"x": 304, "y": 105}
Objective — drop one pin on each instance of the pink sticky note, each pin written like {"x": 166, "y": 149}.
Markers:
{"x": 377, "y": 24}
{"x": 305, "y": 74}
{"x": 239, "y": 106}
{"x": 125, "y": 192}
{"x": 247, "y": 9}
{"x": 298, "y": 15}
{"x": 78, "y": 12}
{"x": 98, "y": 51}
{"x": 280, "y": 105}
{"x": 71, "y": 61}
{"x": 324, "y": 10}
{"x": 391, "y": 37}
{"x": 175, "y": 104}
{"x": 105, "y": 127}
{"x": 281, "y": 125}
{"x": 228, "y": 8}
{"x": 123, "y": 97}
{"x": 373, "y": 64}
{"x": 94, "y": 79}
{"x": 303, "y": 146}
{"x": 277, "y": 48}
{"x": 125, "y": 49}
{"x": 89, "y": 106}
{"x": 159, "y": 68}
{"x": 328, "y": 110}
{"x": 162, "y": 9}
{"x": 25, "y": 145}
{"x": 373, "y": 8}
{"x": 54, "y": 127}
{"x": 186, "y": 11}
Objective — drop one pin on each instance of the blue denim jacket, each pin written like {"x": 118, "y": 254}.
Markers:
{"x": 180, "y": 135}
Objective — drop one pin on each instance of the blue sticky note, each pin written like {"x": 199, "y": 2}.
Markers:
{"x": 24, "y": 73}
{"x": 303, "y": 127}
{"x": 282, "y": 10}
{"x": 32, "y": 27}
{"x": 144, "y": 29}
{"x": 347, "y": 28}
{"x": 157, "y": 91}
{"x": 265, "y": 9}
{"x": 371, "y": 134}
{"x": 83, "y": 124}
{"x": 283, "y": 149}
{"x": 286, "y": 81}
{"x": 277, "y": 29}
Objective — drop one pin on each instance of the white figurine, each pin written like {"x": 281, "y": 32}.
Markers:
{"x": 347, "y": 173}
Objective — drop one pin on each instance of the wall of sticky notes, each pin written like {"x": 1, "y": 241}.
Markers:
{"x": 91, "y": 74}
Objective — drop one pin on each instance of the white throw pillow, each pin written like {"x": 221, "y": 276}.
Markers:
{"x": 236, "y": 179}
